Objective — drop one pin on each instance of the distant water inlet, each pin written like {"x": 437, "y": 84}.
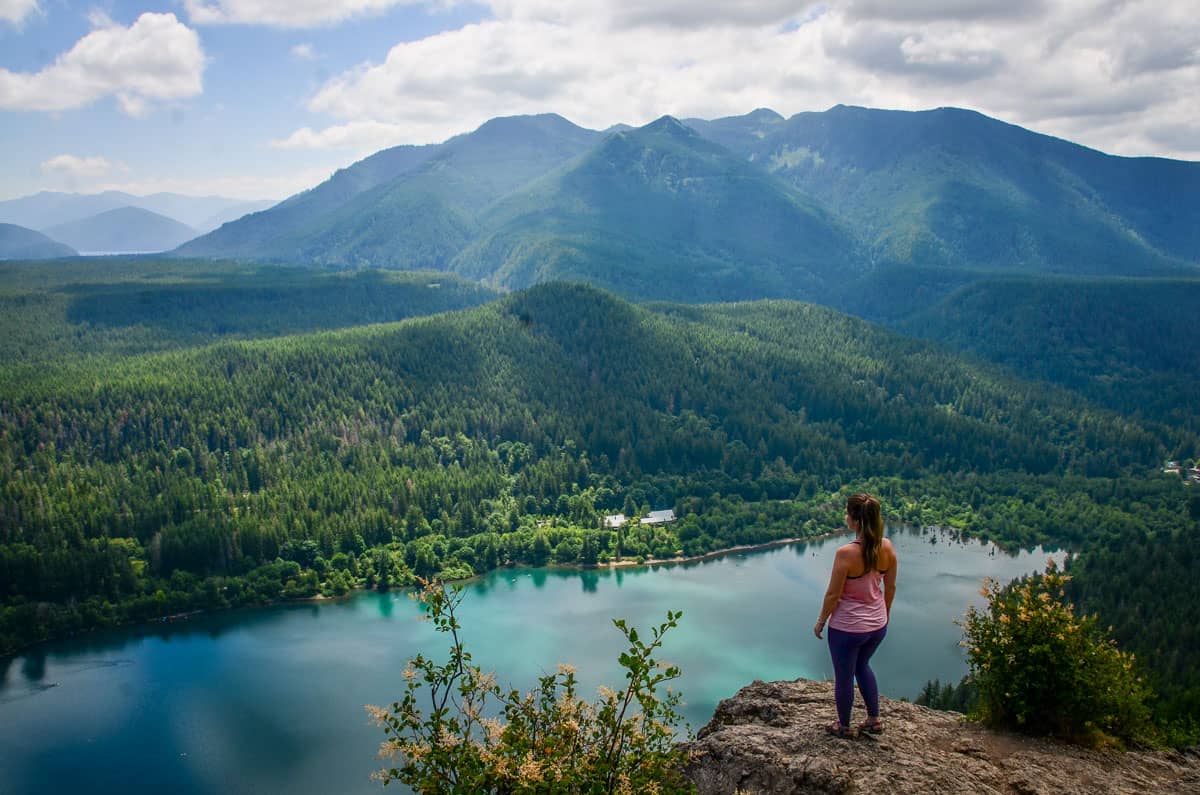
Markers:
{"x": 271, "y": 700}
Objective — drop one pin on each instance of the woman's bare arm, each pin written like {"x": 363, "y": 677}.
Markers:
{"x": 889, "y": 579}
{"x": 833, "y": 594}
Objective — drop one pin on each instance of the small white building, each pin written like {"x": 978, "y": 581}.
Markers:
{"x": 659, "y": 517}
{"x": 614, "y": 520}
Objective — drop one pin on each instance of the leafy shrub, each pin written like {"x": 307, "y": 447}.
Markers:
{"x": 478, "y": 738}
{"x": 1041, "y": 670}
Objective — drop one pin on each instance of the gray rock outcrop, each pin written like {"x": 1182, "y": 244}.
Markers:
{"x": 769, "y": 739}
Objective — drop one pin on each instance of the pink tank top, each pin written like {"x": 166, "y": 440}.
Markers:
{"x": 862, "y": 608}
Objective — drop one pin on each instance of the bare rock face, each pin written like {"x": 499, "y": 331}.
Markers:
{"x": 770, "y": 739}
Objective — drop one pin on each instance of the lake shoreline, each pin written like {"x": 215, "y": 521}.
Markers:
{"x": 177, "y": 618}
{"x": 624, "y": 563}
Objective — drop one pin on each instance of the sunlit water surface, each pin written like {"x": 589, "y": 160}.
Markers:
{"x": 271, "y": 700}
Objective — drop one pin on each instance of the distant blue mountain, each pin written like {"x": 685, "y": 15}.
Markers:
{"x": 17, "y": 242}
{"x": 49, "y": 208}
{"x": 123, "y": 230}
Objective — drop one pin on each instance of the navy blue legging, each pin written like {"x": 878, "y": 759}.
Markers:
{"x": 851, "y": 651}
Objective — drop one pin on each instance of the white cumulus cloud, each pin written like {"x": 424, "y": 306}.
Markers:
{"x": 304, "y": 52}
{"x": 286, "y": 13}
{"x": 77, "y": 167}
{"x": 958, "y": 10}
{"x": 430, "y": 89}
{"x": 156, "y": 58}
{"x": 1118, "y": 75}
{"x": 364, "y": 136}
{"x": 15, "y": 11}
{"x": 663, "y": 14}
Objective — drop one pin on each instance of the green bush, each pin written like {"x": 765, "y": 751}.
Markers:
{"x": 477, "y": 737}
{"x": 1039, "y": 669}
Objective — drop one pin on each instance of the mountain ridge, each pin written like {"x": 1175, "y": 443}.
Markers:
{"x": 418, "y": 217}
{"x": 946, "y": 188}
{"x": 676, "y": 209}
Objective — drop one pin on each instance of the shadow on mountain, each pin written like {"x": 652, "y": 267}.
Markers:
{"x": 270, "y": 302}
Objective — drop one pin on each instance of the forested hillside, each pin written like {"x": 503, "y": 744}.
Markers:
{"x": 88, "y": 313}
{"x": 1140, "y": 580}
{"x": 954, "y": 188}
{"x": 1128, "y": 344}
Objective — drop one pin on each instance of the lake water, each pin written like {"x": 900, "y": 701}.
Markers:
{"x": 271, "y": 700}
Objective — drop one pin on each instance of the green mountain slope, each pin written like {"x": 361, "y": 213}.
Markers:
{"x": 1129, "y": 344}
{"x": 419, "y": 217}
{"x": 18, "y": 243}
{"x": 254, "y": 235}
{"x": 660, "y": 212}
{"x": 123, "y": 230}
{"x": 669, "y": 389}
{"x": 954, "y": 188}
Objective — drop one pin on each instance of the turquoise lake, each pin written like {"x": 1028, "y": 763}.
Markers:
{"x": 271, "y": 700}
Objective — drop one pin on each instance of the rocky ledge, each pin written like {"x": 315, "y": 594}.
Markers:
{"x": 769, "y": 739}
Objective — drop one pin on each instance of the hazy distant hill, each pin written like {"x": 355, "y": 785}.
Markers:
{"x": 662, "y": 212}
{"x": 202, "y": 213}
{"x": 17, "y": 242}
{"x": 844, "y": 207}
{"x": 49, "y": 208}
{"x": 123, "y": 230}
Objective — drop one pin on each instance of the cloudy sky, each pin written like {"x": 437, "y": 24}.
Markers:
{"x": 262, "y": 98}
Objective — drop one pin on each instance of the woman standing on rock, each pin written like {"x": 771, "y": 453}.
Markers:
{"x": 857, "y": 605}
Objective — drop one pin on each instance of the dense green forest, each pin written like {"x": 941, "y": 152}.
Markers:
{"x": 164, "y": 476}
{"x": 98, "y": 310}
{"x": 1127, "y": 344}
